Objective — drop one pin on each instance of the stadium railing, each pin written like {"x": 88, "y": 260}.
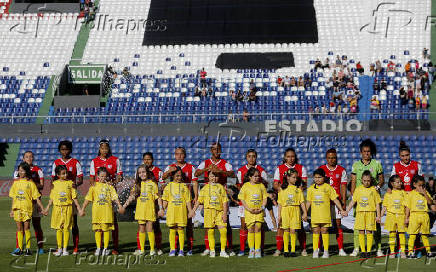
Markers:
{"x": 201, "y": 118}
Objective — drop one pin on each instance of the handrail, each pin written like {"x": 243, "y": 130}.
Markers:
{"x": 199, "y": 117}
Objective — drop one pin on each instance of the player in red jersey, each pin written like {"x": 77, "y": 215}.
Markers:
{"x": 406, "y": 168}
{"x": 192, "y": 181}
{"x": 113, "y": 166}
{"x": 147, "y": 159}
{"x": 75, "y": 174}
{"x": 38, "y": 179}
{"x": 251, "y": 157}
{"x": 290, "y": 160}
{"x": 224, "y": 170}
{"x": 338, "y": 180}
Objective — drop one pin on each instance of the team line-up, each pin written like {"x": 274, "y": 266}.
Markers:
{"x": 406, "y": 203}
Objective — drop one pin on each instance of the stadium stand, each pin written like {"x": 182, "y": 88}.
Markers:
{"x": 33, "y": 48}
{"x": 130, "y": 150}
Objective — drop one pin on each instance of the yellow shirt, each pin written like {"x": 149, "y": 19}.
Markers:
{"x": 395, "y": 201}
{"x": 366, "y": 199}
{"x": 63, "y": 193}
{"x": 102, "y": 195}
{"x": 148, "y": 195}
{"x": 417, "y": 202}
{"x": 177, "y": 194}
{"x": 213, "y": 196}
{"x": 253, "y": 195}
{"x": 320, "y": 198}
{"x": 291, "y": 196}
{"x": 23, "y": 191}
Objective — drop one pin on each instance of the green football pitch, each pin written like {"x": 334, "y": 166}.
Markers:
{"x": 127, "y": 262}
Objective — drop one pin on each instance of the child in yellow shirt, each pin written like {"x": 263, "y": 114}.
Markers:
{"x": 23, "y": 192}
{"x": 416, "y": 214}
{"x": 62, "y": 195}
{"x": 394, "y": 203}
{"x": 253, "y": 196}
{"x": 177, "y": 198}
{"x": 319, "y": 196}
{"x": 214, "y": 198}
{"x": 145, "y": 192}
{"x": 290, "y": 200}
{"x": 367, "y": 212}
{"x": 102, "y": 194}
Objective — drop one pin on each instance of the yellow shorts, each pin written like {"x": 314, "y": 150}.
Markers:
{"x": 320, "y": 225}
{"x": 251, "y": 218}
{"x": 103, "y": 226}
{"x": 291, "y": 217}
{"x": 419, "y": 223}
{"x": 395, "y": 222}
{"x": 22, "y": 216}
{"x": 365, "y": 221}
{"x": 177, "y": 217}
{"x": 213, "y": 218}
{"x": 62, "y": 217}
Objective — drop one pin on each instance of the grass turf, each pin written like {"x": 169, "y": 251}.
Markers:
{"x": 127, "y": 262}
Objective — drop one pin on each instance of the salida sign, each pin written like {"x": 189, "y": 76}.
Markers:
{"x": 86, "y": 74}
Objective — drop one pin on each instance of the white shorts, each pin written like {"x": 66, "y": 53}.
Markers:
{"x": 241, "y": 211}
{"x": 335, "y": 212}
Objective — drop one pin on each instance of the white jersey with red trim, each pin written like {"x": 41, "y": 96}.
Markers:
{"x": 337, "y": 176}
{"x": 281, "y": 169}
{"x": 406, "y": 172}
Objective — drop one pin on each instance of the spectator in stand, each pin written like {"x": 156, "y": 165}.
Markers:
{"x": 204, "y": 92}
{"x": 353, "y": 105}
{"x": 203, "y": 80}
{"x": 197, "y": 91}
{"x": 211, "y": 93}
{"x": 318, "y": 64}
{"x": 253, "y": 85}
{"x": 383, "y": 85}
{"x": 300, "y": 82}
{"x": 252, "y": 96}
{"x": 375, "y": 104}
{"x": 424, "y": 103}
{"x": 239, "y": 96}
{"x": 232, "y": 94}
{"x": 338, "y": 62}
{"x": 378, "y": 67}
{"x": 411, "y": 103}
{"x": 372, "y": 69}
{"x": 425, "y": 54}
{"x": 332, "y": 107}
{"x": 431, "y": 71}
{"x": 407, "y": 67}
{"x": 391, "y": 66}
{"x": 418, "y": 102}
{"x": 246, "y": 116}
{"x": 403, "y": 96}
{"x": 287, "y": 81}
{"x": 359, "y": 68}
{"x": 82, "y": 4}
{"x": 86, "y": 13}
{"x": 293, "y": 82}
{"x": 280, "y": 81}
